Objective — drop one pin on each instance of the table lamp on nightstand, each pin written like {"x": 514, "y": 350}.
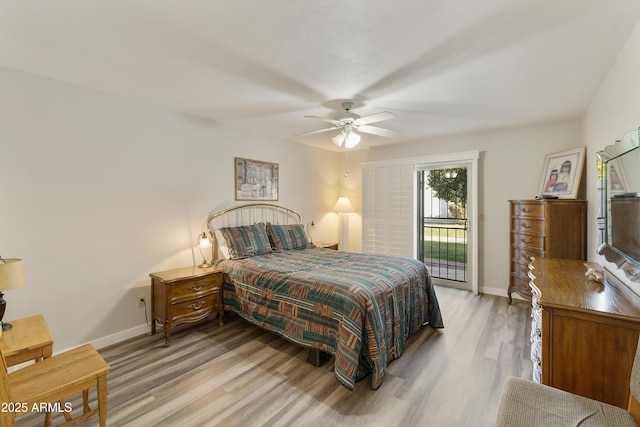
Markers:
{"x": 11, "y": 277}
{"x": 204, "y": 243}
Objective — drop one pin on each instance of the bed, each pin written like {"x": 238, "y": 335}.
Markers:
{"x": 359, "y": 308}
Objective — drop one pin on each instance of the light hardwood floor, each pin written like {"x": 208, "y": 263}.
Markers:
{"x": 239, "y": 375}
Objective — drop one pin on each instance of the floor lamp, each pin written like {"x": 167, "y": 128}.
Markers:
{"x": 343, "y": 207}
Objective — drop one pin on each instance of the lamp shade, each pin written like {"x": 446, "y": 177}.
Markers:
{"x": 339, "y": 139}
{"x": 11, "y": 274}
{"x": 203, "y": 241}
{"x": 343, "y": 205}
{"x": 352, "y": 140}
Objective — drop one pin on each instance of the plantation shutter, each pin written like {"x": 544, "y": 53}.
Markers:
{"x": 388, "y": 210}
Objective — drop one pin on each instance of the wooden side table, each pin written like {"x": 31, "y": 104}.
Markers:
{"x": 328, "y": 245}
{"x": 29, "y": 339}
{"x": 185, "y": 295}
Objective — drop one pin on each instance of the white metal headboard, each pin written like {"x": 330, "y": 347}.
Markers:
{"x": 252, "y": 213}
{"x": 248, "y": 214}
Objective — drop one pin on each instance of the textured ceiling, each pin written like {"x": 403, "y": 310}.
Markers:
{"x": 441, "y": 66}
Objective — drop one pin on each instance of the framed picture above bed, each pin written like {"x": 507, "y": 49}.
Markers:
{"x": 562, "y": 173}
{"x": 256, "y": 180}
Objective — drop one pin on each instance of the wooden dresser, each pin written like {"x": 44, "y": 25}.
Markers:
{"x": 185, "y": 295}
{"x": 544, "y": 229}
{"x": 583, "y": 333}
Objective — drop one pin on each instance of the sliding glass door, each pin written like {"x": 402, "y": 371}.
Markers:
{"x": 425, "y": 207}
{"x": 443, "y": 222}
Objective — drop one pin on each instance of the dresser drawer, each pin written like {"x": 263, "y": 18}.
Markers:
{"x": 530, "y": 209}
{"x": 528, "y": 241}
{"x": 523, "y": 255}
{"x": 527, "y": 225}
{"x": 520, "y": 285}
{"x": 520, "y": 271}
{"x": 194, "y": 288}
{"x": 195, "y": 308}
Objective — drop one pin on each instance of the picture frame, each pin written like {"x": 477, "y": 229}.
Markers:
{"x": 562, "y": 173}
{"x": 255, "y": 180}
{"x": 617, "y": 179}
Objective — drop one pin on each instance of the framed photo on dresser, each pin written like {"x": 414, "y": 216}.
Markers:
{"x": 562, "y": 173}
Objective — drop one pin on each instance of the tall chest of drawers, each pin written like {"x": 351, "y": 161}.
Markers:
{"x": 553, "y": 228}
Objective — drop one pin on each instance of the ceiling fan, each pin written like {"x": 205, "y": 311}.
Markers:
{"x": 348, "y": 123}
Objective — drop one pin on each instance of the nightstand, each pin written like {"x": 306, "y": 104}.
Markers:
{"x": 327, "y": 245}
{"x": 28, "y": 339}
{"x": 185, "y": 295}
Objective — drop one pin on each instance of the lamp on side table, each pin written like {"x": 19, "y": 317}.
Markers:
{"x": 11, "y": 277}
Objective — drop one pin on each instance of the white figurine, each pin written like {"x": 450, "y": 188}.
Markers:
{"x": 594, "y": 274}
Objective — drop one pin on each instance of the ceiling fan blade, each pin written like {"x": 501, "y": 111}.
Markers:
{"x": 378, "y": 117}
{"x": 319, "y": 131}
{"x": 324, "y": 119}
{"x": 387, "y": 133}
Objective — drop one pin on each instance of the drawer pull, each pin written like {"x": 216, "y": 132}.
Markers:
{"x": 196, "y": 287}
{"x": 525, "y": 225}
{"x": 526, "y": 210}
{"x": 527, "y": 240}
{"x": 197, "y": 306}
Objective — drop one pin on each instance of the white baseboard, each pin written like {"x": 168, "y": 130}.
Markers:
{"x": 101, "y": 342}
{"x": 500, "y": 292}
{"x": 120, "y": 336}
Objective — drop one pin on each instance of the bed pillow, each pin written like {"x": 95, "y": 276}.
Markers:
{"x": 246, "y": 241}
{"x": 287, "y": 237}
{"x": 223, "y": 249}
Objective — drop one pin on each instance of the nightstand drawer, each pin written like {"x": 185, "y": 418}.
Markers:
{"x": 195, "y": 308}
{"x": 194, "y": 288}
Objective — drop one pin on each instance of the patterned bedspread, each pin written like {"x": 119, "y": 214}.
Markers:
{"x": 360, "y": 308}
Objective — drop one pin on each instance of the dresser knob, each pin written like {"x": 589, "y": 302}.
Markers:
{"x": 527, "y": 241}
{"x": 526, "y": 210}
{"x": 196, "y": 287}
{"x": 525, "y": 225}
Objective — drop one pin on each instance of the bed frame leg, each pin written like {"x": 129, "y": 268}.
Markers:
{"x": 318, "y": 358}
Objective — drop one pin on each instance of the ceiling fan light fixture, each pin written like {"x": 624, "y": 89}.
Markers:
{"x": 352, "y": 140}
{"x": 339, "y": 139}
{"x": 347, "y": 123}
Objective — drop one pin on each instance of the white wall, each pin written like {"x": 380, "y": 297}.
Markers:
{"x": 510, "y": 167}
{"x": 614, "y": 110}
{"x": 98, "y": 191}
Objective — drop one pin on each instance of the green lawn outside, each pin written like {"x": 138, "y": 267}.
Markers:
{"x": 450, "y": 251}
{"x": 440, "y": 244}
{"x": 444, "y": 232}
